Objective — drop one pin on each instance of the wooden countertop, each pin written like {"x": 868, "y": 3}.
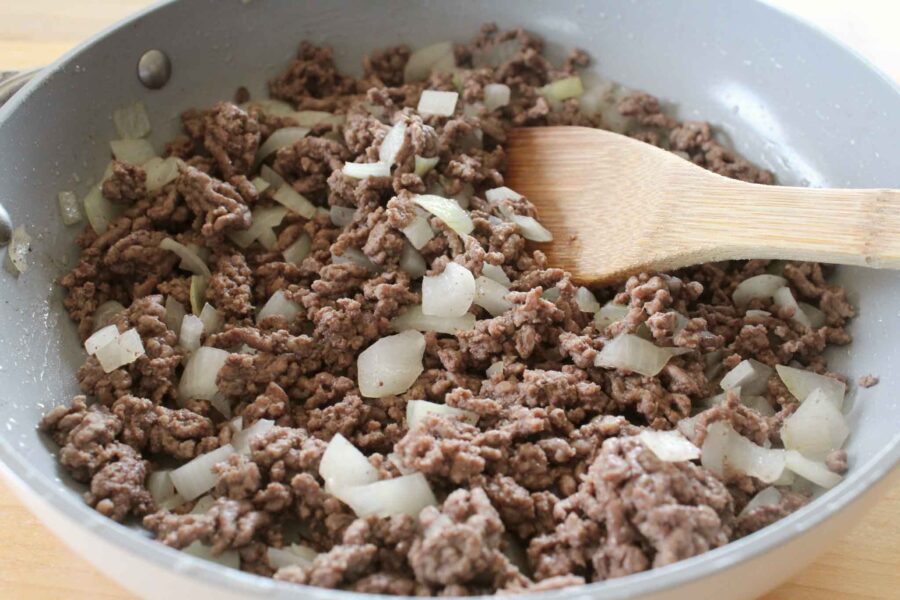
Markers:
{"x": 34, "y": 565}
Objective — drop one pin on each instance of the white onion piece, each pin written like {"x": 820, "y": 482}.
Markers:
{"x": 100, "y": 212}
{"x": 280, "y": 138}
{"x": 198, "y": 293}
{"x": 496, "y": 95}
{"x": 785, "y": 299}
{"x": 161, "y": 171}
{"x": 227, "y": 558}
{"x": 758, "y": 313}
{"x": 551, "y": 294}
{"x": 586, "y": 300}
{"x": 273, "y": 107}
{"x": 294, "y": 201}
{"x": 195, "y": 478}
{"x": 811, "y": 470}
{"x": 760, "y": 404}
{"x": 530, "y": 229}
{"x": 132, "y": 121}
{"x": 816, "y": 428}
{"x": 760, "y": 286}
{"x": 268, "y": 173}
{"x": 189, "y": 259}
{"x": 562, "y": 89}
{"x": 175, "y": 313}
{"x": 267, "y": 239}
{"x": 101, "y": 338}
{"x": 491, "y": 296}
{"x": 341, "y": 216}
{"x": 406, "y": 495}
{"x": 202, "y": 505}
{"x": 498, "y": 194}
{"x": 418, "y": 232}
{"x": 278, "y": 304}
{"x": 787, "y": 477}
{"x": 391, "y": 144}
{"x": 433, "y": 102}
{"x": 750, "y": 375}
{"x": 398, "y": 462}
{"x": 687, "y": 426}
{"x": 133, "y": 152}
{"x": 417, "y": 409}
{"x": 343, "y": 466}
{"x": 363, "y": 170}
{"x": 236, "y": 424}
{"x": 199, "y": 378}
{"x": 608, "y": 314}
{"x": 669, "y": 446}
{"x": 414, "y": 318}
{"x": 448, "y": 211}
{"x": 296, "y": 252}
{"x": 424, "y": 165}
{"x": 123, "y": 350}
{"x": 280, "y": 558}
{"x": 724, "y": 449}
{"x": 769, "y": 496}
{"x": 106, "y": 312}
{"x": 303, "y": 552}
{"x": 449, "y": 294}
{"x": 391, "y": 365}
{"x": 160, "y": 486}
{"x": 260, "y": 184}
{"x": 68, "y": 208}
{"x": 355, "y": 256}
{"x": 311, "y": 118}
{"x": 434, "y": 57}
{"x": 496, "y": 273}
{"x": 412, "y": 261}
{"x": 815, "y": 316}
{"x": 241, "y": 439}
{"x": 212, "y": 320}
{"x": 191, "y": 330}
{"x": 801, "y": 383}
{"x": 263, "y": 220}
{"x": 628, "y": 351}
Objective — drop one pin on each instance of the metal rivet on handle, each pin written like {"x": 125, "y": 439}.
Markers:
{"x": 154, "y": 69}
{"x": 5, "y": 226}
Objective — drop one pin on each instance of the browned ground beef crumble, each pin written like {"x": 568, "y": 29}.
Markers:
{"x": 552, "y": 467}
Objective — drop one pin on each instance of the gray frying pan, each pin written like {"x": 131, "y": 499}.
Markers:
{"x": 787, "y": 96}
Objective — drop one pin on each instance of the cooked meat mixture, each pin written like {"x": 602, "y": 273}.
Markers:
{"x": 328, "y": 349}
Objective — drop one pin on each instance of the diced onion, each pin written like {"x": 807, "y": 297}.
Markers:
{"x": 391, "y": 365}
{"x": 608, "y": 314}
{"x": 417, "y": 409}
{"x": 750, "y": 375}
{"x": 202, "y": 505}
{"x": 355, "y": 256}
{"x": 801, "y": 383}
{"x": 100, "y": 338}
{"x": 496, "y": 95}
{"x": 296, "y": 252}
{"x": 414, "y": 318}
{"x": 551, "y": 294}
{"x": 758, "y": 313}
{"x": 260, "y": 184}
{"x": 212, "y": 320}
{"x": 760, "y": 286}
{"x": 586, "y": 300}
{"x": 437, "y": 57}
{"x": 131, "y": 121}
{"x": 343, "y": 466}
{"x": 769, "y": 496}
{"x": 628, "y": 351}
{"x": 191, "y": 330}
{"x": 418, "y": 232}
{"x": 280, "y": 138}
{"x": 398, "y": 462}
{"x": 198, "y": 293}
{"x": 530, "y": 229}
{"x": 433, "y": 102}
{"x": 816, "y": 428}
{"x": 391, "y": 144}
{"x": 123, "y": 350}
{"x": 406, "y": 495}
{"x": 161, "y": 171}
{"x": 294, "y": 201}
{"x": 263, "y": 220}
{"x": 341, "y": 216}
{"x": 106, "y": 312}
{"x": 562, "y": 89}
{"x": 311, "y": 118}
{"x": 270, "y": 106}
{"x": 133, "y": 152}
{"x": 760, "y": 404}
{"x": 724, "y": 449}
{"x": 496, "y": 367}
{"x": 227, "y": 558}
{"x": 412, "y": 261}
{"x": 498, "y": 194}
{"x": 280, "y": 558}
{"x": 669, "y": 446}
{"x": 811, "y": 470}
{"x": 160, "y": 486}
{"x": 68, "y": 208}
{"x": 363, "y": 170}
{"x": 424, "y": 165}
{"x": 199, "y": 378}
{"x": 449, "y": 294}
{"x": 815, "y": 316}
{"x": 496, "y": 273}
{"x": 100, "y": 211}
{"x": 491, "y": 296}
{"x": 278, "y": 304}
{"x": 175, "y": 313}
{"x": 785, "y": 299}
{"x": 236, "y": 424}
{"x": 268, "y": 174}
{"x": 241, "y": 439}
{"x": 190, "y": 260}
{"x": 687, "y": 426}
{"x": 195, "y": 478}
{"x": 447, "y": 210}
{"x": 19, "y": 247}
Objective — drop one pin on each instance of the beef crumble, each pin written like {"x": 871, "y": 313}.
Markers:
{"x": 552, "y": 486}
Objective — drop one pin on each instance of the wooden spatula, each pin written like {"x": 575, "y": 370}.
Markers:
{"x": 617, "y": 206}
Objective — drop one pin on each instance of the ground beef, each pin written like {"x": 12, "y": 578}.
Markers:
{"x": 551, "y": 486}
{"x": 867, "y": 381}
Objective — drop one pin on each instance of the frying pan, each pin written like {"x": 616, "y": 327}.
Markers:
{"x": 785, "y": 95}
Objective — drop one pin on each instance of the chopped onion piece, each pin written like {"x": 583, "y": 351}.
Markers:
{"x": 760, "y": 286}
{"x": 686, "y": 426}
{"x": 724, "y": 449}
{"x": 562, "y": 89}
{"x": 280, "y": 138}
{"x": 195, "y": 477}
{"x": 815, "y": 316}
{"x": 758, "y": 313}
{"x": 268, "y": 173}
{"x": 769, "y": 496}
{"x": 760, "y": 404}
{"x": 785, "y": 299}
{"x": 498, "y": 194}
{"x": 296, "y": 252}
{"x": 199, "y": 378}
{"x": 236, "y": 424}
{"x": 278, "y": 304}
{"x": 449, "y": 294}
{"x": 447, "y": 210}
{"x": 628, "y": 351}
{"x": 355, "y": 256}
{"x": 750, "y": 375}
{"x": 811, "y": 470}
{"x": 414, "y": 318}
{"x": 417, "y": 409}
{"x": 496, "y": 273}
{"x": 105, "y": 313}
{"x": 303, "y": 552}
{"x": 273, "y": 107}
{"x": 398, "y": 462}
{"x": 551, "y": 294}
{"x": 437, "y": 57}
{"x": 161, "y": 171}
{"x": 496, "y": 95}
{"x": 190, "y": 332}
{"x": 491, "y": 296}
{"x": 100, "y": 211}
{"x": 241, "y": 439}
{"x": 123, "y": 350}
{"x": 530, "y": 229}
{"x": 343, "y": 466}
{"x": 311, "y": 118}
{"x": 341, "y": 216}
{"x": 433, "y": 102}
{"x": 586, "y": 300}
{"x": 406, "y": 495}
{"x": 131, "y": 121}
{"x": 363, "y": 170}
{"x": 133, "y": 152}
{"x": 801, "y": 384}
{"x": 227, "y": 558}
{"x": 280, "y": 558}
{"x": 212, "y": 320}
{"x": 160, "y": 486}
{"x": 295, "y": 201}
{"x": 608, "y": 314}
{"x": 412, "y": 262}
{"x": 202, "y": 505}
{"x": 260, "y": 184}
{"x": 391, "y": 365}
{"x": 424, "y": 165}
{"x": 391, "y": 144}
{"x": 68, "y": 208}
{"x": 496, "y": 367}
{"x": 101, "y": 338}
{"x": 264, "y": 219}
{"x": 175, "y": 314}
{"x": 198, "y": 293}
{"x": 669, "y": 446}
{"x": 816, "y": 428}
{"x": 189, "y": 259}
